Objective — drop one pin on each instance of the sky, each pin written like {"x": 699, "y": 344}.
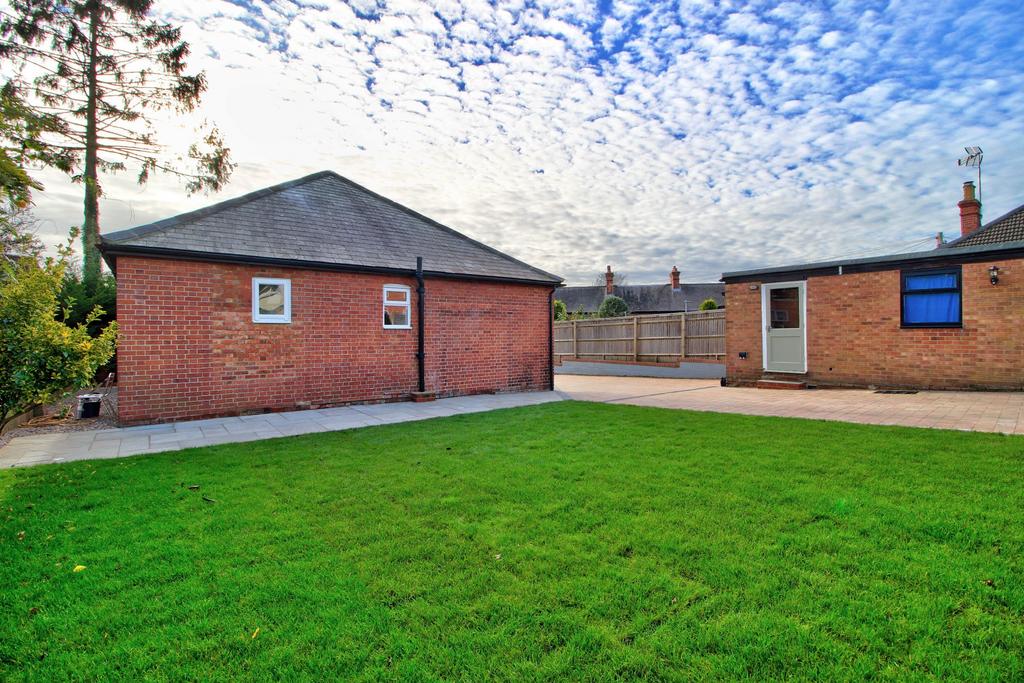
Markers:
{"x": 574, "y": 135}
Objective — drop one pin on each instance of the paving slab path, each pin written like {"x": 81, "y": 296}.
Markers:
{"x": 964, "y": 410}
{"x": 41, "y": 449}
{"x": 983, "y": 411}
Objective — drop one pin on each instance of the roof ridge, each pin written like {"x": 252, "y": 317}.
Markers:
{"x": 203, "y": 212}
{"x": 987, "y": 226}
{"x": 442, "y": 226}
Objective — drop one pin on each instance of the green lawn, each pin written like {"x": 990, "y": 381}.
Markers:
{"x": 564, "y": 541}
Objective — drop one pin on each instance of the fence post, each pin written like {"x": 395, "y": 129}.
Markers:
{"x": 575, "y": 356}
{"x": 682, "y": 336}
{"x": 636, "y": 339}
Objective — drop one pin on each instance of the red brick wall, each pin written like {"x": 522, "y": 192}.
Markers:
{"x": 188, "y": 347}
{"x": 743, "y": 332}
{"x": 854, "y": 335}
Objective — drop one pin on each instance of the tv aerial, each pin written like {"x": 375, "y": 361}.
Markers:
{"x": 973, "y": 159}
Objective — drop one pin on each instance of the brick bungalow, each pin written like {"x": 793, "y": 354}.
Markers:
{"x": 948, "y": 318}
{"x": 307, "y": 294}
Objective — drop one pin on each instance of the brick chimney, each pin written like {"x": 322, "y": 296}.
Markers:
{"x": 970, "y": 211}
{"x": 609, "y": 281}
{"x": 674, "y": 277}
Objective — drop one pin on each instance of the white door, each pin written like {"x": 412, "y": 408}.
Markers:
{"x": 784, "y": 311}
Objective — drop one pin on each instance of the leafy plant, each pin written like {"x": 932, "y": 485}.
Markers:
{"x": 560, "y": 311}
{"x": 579, "y": 314}
{"x": 42, "y": 357}
{"x": 22, "y": 145}
{"x": 612, "y": 307}
{"x": 80, "y": 297}
{"x": 708, "y": 304}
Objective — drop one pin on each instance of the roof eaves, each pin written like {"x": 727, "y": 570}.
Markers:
{"x": 932, "y": 255}
{"x": 113, "y": 250}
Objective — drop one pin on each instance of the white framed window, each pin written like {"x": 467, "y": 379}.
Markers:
{"x": 397, "y": 307}
{"x": 271, "y": 300}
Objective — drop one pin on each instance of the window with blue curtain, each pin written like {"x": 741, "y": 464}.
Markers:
{"x": 931, "y": 298}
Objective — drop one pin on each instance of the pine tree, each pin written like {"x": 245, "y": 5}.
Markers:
{"x": 100, "y": 69}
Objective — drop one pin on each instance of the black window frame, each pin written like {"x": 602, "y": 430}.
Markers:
{"x": 956, "y": 271}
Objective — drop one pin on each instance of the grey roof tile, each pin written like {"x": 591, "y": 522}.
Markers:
{"x": 324, "y": 219}
{"x": 1007, "y": 228}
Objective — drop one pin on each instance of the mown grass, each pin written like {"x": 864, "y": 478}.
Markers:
{"x": 565, "y": 541}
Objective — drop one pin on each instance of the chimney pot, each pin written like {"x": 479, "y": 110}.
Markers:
{"x": 609, "y": 281}
{"x": 674, "y": 277}
{"x": 970, "y": 211}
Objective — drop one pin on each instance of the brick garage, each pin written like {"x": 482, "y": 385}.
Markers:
{"x": 855, "y": 330}
{"x": 190, "y": 346}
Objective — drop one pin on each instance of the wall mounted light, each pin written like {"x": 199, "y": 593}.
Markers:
{"x": 993, "y": 275}
{"x": 754, "y": 288}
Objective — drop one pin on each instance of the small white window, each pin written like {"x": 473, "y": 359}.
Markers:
{"x": 397, "y": 307}
{"x": 271, "y": 300}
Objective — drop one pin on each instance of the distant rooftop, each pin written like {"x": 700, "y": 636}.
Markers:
{"x": 644, "y": 298}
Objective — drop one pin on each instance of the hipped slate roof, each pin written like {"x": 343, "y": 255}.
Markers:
{"x": 1007, "y": 228}
{"x": 321, "y": 220}
{"x": 644, "y": 298}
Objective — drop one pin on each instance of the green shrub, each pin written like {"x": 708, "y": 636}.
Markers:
{"x": 612, "y": 307}
{"x": 560, "y": 311}
{"x": 42, "y": 356}
{"x": 79, "y": 298}
{"x": 709, "y": 305}
{"x": 579, "y": 314}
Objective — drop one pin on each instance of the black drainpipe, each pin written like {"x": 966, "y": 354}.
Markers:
{"x": 551, "y": 340}
{"x": 420, "y": 355}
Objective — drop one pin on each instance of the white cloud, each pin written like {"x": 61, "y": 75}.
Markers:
{"x": 713, "y": 138}
{"x": 830, "y": 39}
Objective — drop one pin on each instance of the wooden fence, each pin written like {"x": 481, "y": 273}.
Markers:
{"x": 661, "y": 338}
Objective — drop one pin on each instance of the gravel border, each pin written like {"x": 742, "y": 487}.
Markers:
{"x": 106, "y": 420}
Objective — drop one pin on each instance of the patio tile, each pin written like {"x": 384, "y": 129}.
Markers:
{"x": 980, "y": 411}
{"x": 170, "y": 437}
{"x": 214, "y": 430}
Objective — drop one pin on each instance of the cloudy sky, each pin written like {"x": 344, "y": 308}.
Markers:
{"x": 712, "y": 136}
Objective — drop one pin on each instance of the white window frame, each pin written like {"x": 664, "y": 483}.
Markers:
{"x": 408, "y": 305}
{"x": 258, "y": 317}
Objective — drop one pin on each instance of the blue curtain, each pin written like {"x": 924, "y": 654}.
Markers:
{"x": 940, "y": 307}
{"x": 936, "y": 281}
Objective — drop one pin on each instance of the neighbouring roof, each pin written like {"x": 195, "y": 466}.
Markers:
{"x": 321, "y": 220}
{"x": 1007, "y": 228}
{"x": 1003, "y": 236}
{"x": 644, "y": 298}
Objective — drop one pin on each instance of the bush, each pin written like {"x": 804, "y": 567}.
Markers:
{"x": 560, "y": 311}
{"x": 709, "y": 305}
{"x": 612, "y": 307}
{"x": 42, "y": 357}
{"x": 80, "y": 298}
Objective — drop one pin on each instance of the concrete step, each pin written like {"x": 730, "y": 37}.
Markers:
{"x": 780, "y": 384}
